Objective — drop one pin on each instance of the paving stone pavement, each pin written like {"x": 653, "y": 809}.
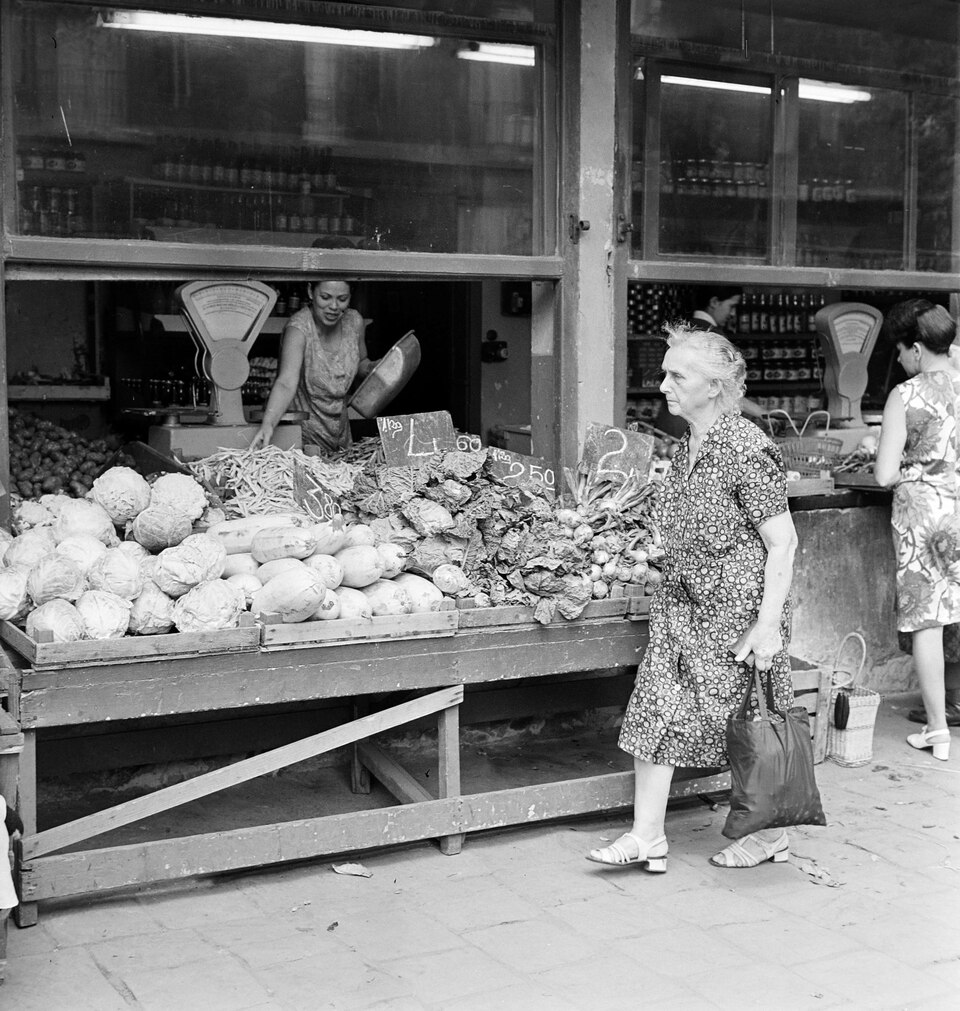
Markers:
{"x": 866, "y": 915}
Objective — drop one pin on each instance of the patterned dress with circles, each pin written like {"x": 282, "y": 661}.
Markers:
{"x": 926, "y": 507}
{"x": 688, "y": 682}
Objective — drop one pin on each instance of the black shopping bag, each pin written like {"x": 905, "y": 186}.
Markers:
{"x": 771, "y": 767}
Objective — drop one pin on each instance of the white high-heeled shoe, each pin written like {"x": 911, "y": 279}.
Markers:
{"x": 937, "y": 740}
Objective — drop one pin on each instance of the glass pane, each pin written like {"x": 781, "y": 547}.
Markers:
{"x": 385, "y": 140}
{"x": 936, "y": 119}
{"x": 715, "y": 143}
{"x": 851, "y": 177}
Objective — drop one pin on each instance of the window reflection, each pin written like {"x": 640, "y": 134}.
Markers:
{"x": 851, "y": 183}
{"x": 194, "y": 137}
{"x": 715, "y": 146}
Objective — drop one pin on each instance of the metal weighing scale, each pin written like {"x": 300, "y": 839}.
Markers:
{"x": 224, "y": 318}
{"x": 848, "y": 332}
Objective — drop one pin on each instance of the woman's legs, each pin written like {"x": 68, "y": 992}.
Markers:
{"x": 651, "y": 791}
{"x": 646, "y": 841}
{"x": 928, "y": 660}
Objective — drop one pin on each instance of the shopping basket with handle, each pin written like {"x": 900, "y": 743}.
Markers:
{"x": 804, "y": 454}
{"x": 853, "y": 711}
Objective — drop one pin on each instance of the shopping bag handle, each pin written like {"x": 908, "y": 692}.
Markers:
{"x": 765, "y": 701}
{"x": 854, "y": 678}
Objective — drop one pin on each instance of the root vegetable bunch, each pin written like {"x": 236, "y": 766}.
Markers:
{"x": 615, "y": 524}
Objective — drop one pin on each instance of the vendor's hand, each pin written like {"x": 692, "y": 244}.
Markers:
{"x": 262, "y": 438}
{"x": 758, "y": 645}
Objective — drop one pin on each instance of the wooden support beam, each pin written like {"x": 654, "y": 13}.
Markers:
{"x": 217, "y": 852}
{"x": 448, "y": 769}
{"x": 76, "y": 831}
{"x": 391, "y": 775}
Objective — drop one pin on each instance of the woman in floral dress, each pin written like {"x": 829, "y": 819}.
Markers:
{"x": 918, "y": 457}
{"x": 721, "y": 607}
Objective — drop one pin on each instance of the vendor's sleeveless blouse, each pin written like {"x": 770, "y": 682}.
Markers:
{"x": 329, "y": 369}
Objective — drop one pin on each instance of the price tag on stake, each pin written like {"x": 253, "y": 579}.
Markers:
{"x": 613, "y": 454}
{"x": 407, "y": 439}
{"x": 314, "y": 500}
{"x": 515, "y": 469}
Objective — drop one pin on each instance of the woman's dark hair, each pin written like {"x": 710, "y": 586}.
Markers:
{"x": 919, "y": 319}
{"x": 936, "y": 330}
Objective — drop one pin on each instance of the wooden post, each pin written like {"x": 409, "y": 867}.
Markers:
{"x": 25, "y": 915}
{"x": 359, "y": 774}
{"x": 448, "y": 769}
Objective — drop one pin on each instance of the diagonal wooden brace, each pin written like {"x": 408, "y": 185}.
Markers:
{"x": 169, "y": 797}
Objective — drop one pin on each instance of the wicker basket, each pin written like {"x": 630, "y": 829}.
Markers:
{"x": 852, "y": 745}
{"x": 808, "y": 455}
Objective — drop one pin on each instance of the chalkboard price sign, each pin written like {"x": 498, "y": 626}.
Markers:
{"x": 407, "y": 439}
{"x": 517, "y": 470}
{"x": 613, "y": 454}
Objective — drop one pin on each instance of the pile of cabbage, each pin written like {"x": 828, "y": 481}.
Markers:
{"x": 131, "y": 558}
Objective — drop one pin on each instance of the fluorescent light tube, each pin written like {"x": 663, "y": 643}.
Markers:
{"x": 187, "y": 24}
{"x": 497, "y": 52}
{"x": 823, "y": 91}
{"x": 817, "y": 91}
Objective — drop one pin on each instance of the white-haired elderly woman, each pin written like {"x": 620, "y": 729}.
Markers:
{"x": 722, "y": 607}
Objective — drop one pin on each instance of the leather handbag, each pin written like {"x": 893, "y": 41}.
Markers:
{"x": 771, "y": 766}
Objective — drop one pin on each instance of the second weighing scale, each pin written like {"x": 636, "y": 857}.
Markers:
{"x": 224, "y": 319}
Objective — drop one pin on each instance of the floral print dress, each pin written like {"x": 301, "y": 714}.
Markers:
{"x": 688, "y": 682}
{"x": 926, "y": 504}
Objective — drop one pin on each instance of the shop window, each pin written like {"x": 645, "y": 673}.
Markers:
{"x": 862, "y": 140}
{"x": 377, "y": 132}
{"x": 851, "y": 186}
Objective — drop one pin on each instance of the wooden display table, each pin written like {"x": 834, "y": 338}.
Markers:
{"x": 440, "y": 667}
{"x": 432, "y": 670}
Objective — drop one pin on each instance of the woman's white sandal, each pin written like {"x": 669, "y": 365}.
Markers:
{"x": 925, "y": 739}
{"x": 737, "y": 855}
{"x": 616, "y": 854}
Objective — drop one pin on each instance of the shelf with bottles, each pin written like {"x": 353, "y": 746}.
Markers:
{"x": 715, "y": 178}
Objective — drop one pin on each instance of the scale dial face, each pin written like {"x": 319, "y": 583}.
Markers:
{"x": 851, "y": 330}
{"x": 227, "y": 311}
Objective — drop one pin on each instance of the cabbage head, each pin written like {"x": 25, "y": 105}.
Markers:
{"x": 117, "y": 572}
{"x": 122, "y": 492}
{"x": 152, "y": 611}
{"x": 196, "y": 560}
{"x": 26, "y": 549}
{"x": 104, "y": 614}
{"x": 181, "y": 493}
{"x": 14, "y": 601}
{"x": 210, "y": 606}
{"x": 55, "y": 576}
{"x": 59, "y": 617}
{"x": 80, "y": 516}
{"x": 159, "y": 527}
{"x": 82, "y": 549}
{"x": 28, "y": 514}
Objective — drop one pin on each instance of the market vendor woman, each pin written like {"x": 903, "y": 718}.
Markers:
{"x": 323, "y": 350}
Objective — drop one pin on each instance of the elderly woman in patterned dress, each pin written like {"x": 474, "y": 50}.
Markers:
{"x": 722, "y": 607}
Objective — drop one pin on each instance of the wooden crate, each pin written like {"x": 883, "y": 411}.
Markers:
{"x": 481, "y": 617}
{"x": 812, "y": 688}
{"x": 276, "y": 634}
{"x": 810, "y": 486}
{"x": 43, "y": 655}
{"x": 638, "y": 608}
